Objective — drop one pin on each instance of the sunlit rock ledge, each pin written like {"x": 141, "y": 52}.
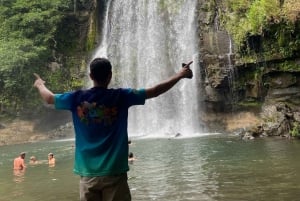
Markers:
{"x": 20, "y": 131}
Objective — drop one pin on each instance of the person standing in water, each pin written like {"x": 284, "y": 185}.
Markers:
{"x": 131, "y": 157}
{"x": 100, "y": 116}
{"x": 51, "y": 159}
{"x": 19, "y": 162}
{"x": 33, "y": 160}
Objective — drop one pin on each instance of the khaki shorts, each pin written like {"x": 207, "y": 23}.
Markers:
{"x": 105, "y": 188}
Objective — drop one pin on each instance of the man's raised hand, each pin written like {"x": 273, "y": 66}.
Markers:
{"x": 38, "y": 81}
{"x": 187, "y": 72}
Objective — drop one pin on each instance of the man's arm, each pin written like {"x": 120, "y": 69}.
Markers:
{"x": 23, "y": 164}
{"x": 164, "y": 86}
{"x": 45, "y": 93}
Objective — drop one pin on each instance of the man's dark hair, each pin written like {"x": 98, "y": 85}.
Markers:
{"x": 130, "y": 155}
{"x": 100, "y": 69}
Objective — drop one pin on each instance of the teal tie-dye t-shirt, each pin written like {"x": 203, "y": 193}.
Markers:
{"x": 100, "y": 122}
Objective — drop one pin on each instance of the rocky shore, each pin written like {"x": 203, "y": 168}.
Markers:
{"x": 20, "y": 131}
{"x": 275, "y": 120}
{"x": 279, "y": 120}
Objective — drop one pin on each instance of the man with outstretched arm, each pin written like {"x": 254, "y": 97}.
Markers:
{"x": 100, "y": 122}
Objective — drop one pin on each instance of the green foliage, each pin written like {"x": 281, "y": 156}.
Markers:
{"x": 27, "y": 36}
{"x": 289, "y": 66}
{"x": 295, "y": 131}
{"x": 67, "y": 34}
{"x": 91, "y": 38}
{"x": 268, "y": 19}
{"x": 261, "y": 13}
{"x": 238, "y": 6}
{"x": 249, "y": 17}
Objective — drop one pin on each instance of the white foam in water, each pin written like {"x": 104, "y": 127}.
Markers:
{"x": 181, "y": 136}
{"x": 65, "y": 140}
{"x": 146, "y": 43}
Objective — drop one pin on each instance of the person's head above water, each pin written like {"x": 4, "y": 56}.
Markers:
{"x": 130, "y": 155}
{"x": 100, "y": 71}
{"x": 33, "y": 158}
{"x": 22, "y": 154}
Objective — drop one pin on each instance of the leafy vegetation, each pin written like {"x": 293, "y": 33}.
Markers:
{"x": 289, "y": 66}
{"x": 272, "y": 24}
{"x": 295, "y": 131}
{"x": 31, "y": 38}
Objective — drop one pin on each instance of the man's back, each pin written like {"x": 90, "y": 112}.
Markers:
{"x": 100, "y": 122}
{"x": 18, "y": 163}
{"x": 101, "y": 128}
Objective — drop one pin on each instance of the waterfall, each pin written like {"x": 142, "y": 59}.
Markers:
{"x": 229, "y": 54}
{"x": 231, "y": 72}
{"x": 146, "y": 42}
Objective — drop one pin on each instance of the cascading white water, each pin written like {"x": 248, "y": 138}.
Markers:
{"x": 146, "y": 42}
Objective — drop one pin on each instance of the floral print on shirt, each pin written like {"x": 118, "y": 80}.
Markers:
{"x": 93, "y": 113}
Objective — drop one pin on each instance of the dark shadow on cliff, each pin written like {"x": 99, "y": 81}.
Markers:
{"x": 51, "y": 119}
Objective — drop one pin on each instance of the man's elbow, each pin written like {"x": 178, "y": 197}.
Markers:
{"x": 152, "y": 96}
{"x": 152, "y": 93}
{"x": 49, "y": 99}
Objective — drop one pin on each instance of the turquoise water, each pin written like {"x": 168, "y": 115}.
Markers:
{"x": 213, "y": 168}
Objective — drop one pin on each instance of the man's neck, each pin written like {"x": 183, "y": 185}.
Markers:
{"x": 100, "y": 85}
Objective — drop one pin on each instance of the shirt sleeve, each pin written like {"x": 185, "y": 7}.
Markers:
{"x": 135, "y": 96}
{"x": 63, "y": 101}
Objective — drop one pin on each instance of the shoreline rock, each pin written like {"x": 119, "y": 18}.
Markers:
{"x": 20, "y": 132}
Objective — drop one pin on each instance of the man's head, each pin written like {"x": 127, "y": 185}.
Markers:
{"x": 100, "y": 71}
{"x": 33, "y": 158}
{"x": 23, "y": 154}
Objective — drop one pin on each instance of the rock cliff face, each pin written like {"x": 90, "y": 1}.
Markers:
{"x": 246, "y": 84}
{"x": 250, "y": 85}
{"x": 262, "y": 90}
